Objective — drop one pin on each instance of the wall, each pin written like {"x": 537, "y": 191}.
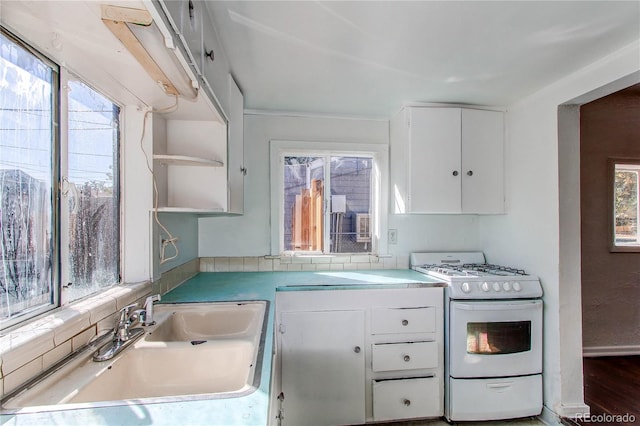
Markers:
{"x": 249, "y": 235}
{"x": 184, "y": 227}
{"x": 541, "y": 189}
{"x": 609, "y": 127}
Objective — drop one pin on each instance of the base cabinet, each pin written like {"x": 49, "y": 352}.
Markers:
{"x": 357, "y": 356}
{"x": 323, "y": 366}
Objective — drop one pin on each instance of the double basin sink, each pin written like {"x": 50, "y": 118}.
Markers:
{"x": 194, "y": 351}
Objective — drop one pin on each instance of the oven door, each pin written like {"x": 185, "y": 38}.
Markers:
{"x": 495, "y": 338}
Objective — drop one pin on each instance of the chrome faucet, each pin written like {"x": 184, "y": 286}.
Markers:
{"x": 123, "y": 334}
{"x": 147, "y": 318}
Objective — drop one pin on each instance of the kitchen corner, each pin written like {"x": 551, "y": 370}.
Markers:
{"x": 252, "y": 409}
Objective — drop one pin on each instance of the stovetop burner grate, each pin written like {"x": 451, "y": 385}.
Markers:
{"x": 473, "y": 269}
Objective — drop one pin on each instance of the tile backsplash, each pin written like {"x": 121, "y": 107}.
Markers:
{"x": 302, "y": 263}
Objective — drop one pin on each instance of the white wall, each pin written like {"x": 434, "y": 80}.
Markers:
{"x": 538, "y": 225}
{"x": 249, "y": 235}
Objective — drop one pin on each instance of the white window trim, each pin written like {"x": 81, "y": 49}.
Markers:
{"x": 380, "y": 182}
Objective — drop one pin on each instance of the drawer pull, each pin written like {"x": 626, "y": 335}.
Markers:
{"x": 406, "y": 402}
{"x": 405, "y": 322}
{"x": 357, "y": 349}
{"x": 406, "y": 358}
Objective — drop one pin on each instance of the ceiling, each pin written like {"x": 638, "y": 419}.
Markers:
{"x": 367, "y": 58}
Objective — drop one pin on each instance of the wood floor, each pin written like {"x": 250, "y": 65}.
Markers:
{"x": 612, "y": 387}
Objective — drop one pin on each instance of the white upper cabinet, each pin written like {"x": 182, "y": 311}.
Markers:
{"x": 199, "y": 149}
{"x": 482, "y": 170}
{"x": 215, "y": 66}
{"x": 447, "y": 160}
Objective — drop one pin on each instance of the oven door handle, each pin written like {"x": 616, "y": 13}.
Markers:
{"x": 497, "y": 306}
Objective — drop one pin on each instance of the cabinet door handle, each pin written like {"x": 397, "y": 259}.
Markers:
{"x": 405, "y": 322}
{"x": 406, "y": 402}
{"x": 455, "y": 173}
{"x": 470, "y": 173}
{"x": 406, "y": 358}
{"x": 357, "y": 349}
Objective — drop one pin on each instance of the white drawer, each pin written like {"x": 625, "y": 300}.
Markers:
{"x": 406, "y": 399}
{"x": 404, "y": 356}
{"x": 489, "y": 399}
{"x": 403, "y": 320}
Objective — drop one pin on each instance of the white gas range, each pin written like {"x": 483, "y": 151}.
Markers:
{"x": 493, "y": 336}
{"x": 469, "y": 277}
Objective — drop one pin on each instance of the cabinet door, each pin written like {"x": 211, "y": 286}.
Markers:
{"x": 323, "y": 367}
{"x": 235, "y": 148}
{"x": 482, "y": 161}
{"x": 434, "y": 158}
{"x": 215, "y": 66}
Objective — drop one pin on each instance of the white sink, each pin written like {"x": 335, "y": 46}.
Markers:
{"x": 195, "y": 351}
{"x": 202, "y": 322}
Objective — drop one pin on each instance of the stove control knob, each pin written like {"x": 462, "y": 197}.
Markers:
{"x": 506, "y": 286}
{"x": 496, "y": 286}
{"x": 517, "y": 286}
{"x": 485, "y": 286}
{"x": 465, "y": 288}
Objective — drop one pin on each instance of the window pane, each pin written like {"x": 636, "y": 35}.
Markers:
{"x": 93, "y": 203}
{"x": 26, "y": 140}
{"x": 626, "y": 205}
{"x": 303, "y": 201}
{"x": 350, "y": 204}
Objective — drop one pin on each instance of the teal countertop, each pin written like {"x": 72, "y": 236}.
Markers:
{"x": 251, "y": 409}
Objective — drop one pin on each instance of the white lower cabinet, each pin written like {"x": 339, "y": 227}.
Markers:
{"x": 323, "y": 366}
{"x": 357, "y": 356}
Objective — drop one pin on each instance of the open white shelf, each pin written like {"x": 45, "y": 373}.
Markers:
{"x": 185, "y": 160}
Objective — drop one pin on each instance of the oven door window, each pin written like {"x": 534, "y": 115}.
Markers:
{"x": 498, "y": 338}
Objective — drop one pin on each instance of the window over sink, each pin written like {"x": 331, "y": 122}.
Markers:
{"x": 59, "y": 185}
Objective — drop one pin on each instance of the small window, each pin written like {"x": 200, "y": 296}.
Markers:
{"x": 321, "y": 189}
{"x": 328, "y": 201}
{"x": 624, "y": 176}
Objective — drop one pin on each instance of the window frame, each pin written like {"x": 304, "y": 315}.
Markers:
{"x": 278, "y": 149}
{"x": 55, "y": 289}
{"x": 611, "y": 178}
{"x": 59, "y": 162}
